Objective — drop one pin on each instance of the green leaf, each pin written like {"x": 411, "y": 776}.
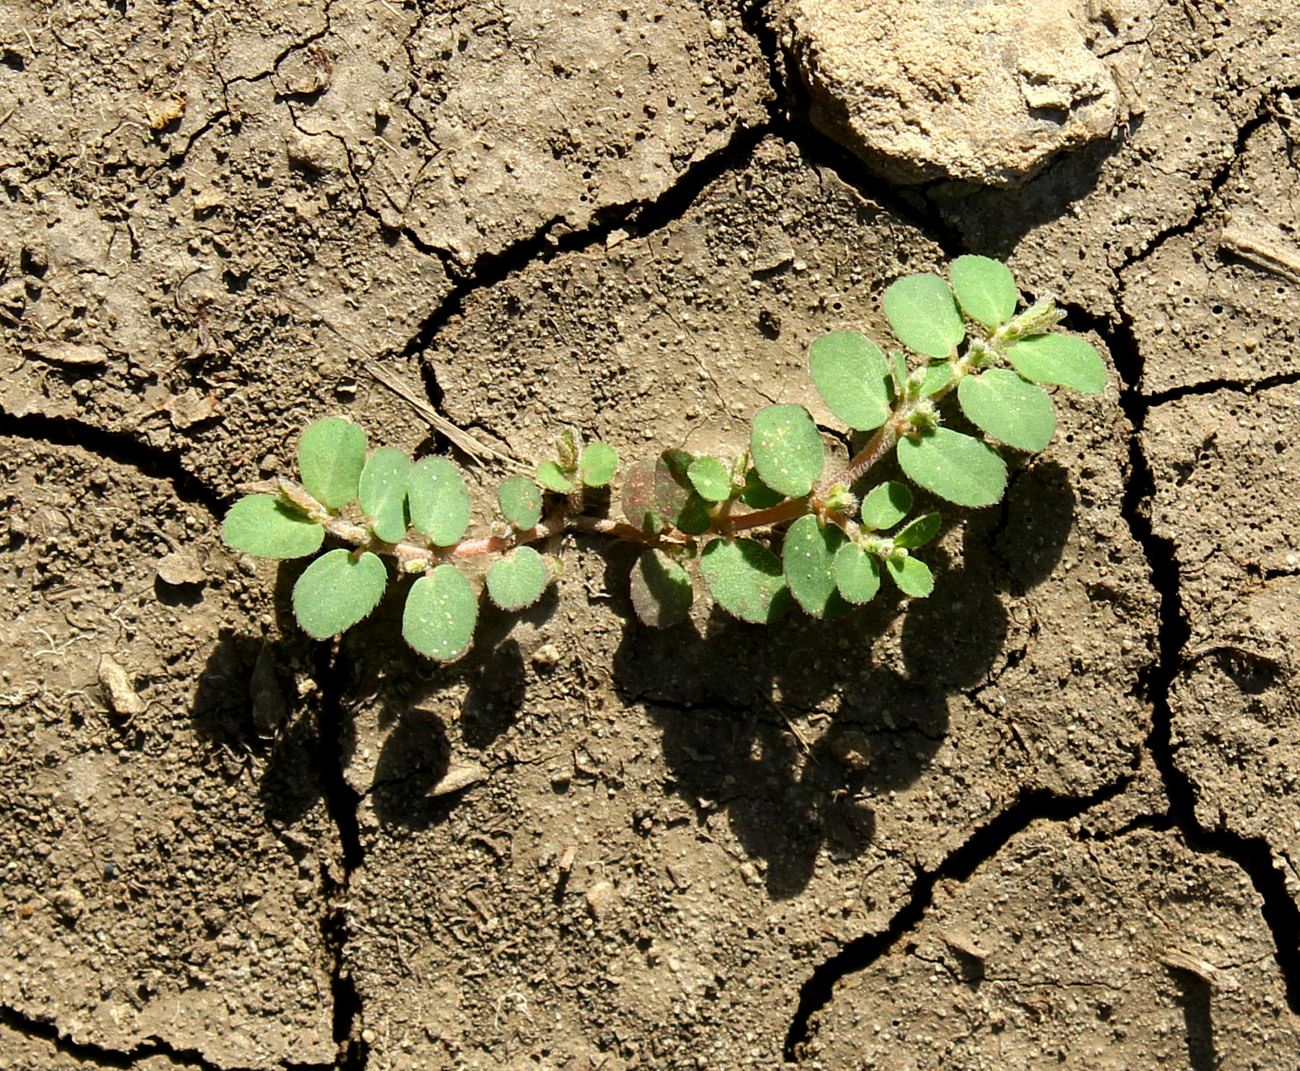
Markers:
{"x": 886, "y": 505}
{"x": 520, "y": 502}
{"x": 265, "y": 526}
{"x": 756, "y": 494}
{"x": 924, "y": 315}
{"x": 336, "y": 591}
{"x": 660, "y": 493}
{"x": 919, "y": 532}
{"x": 1059, "y": 360}
{"x": 661, "y": 590}
{"x": 985, "y": 288}
{"x": 440, "y": 615}
{"x": 852, "y": 376}
{"x": 809, "y": 564}
{"x": 554, "y": 478}
{"x": 597, "y": 464}
{"x": 936, "y": 377}
{"x": 787, "y": 449}
{"x": 1012, "y": 411}
{"x": 954, "y": 466}
{"x": 710, "y": 478}
{"x": 676, "y": 498}
{"x": 439, "y": 500}
{"x": 912, "y": 576}
{"x": 331, "y": 454}
{"x": 857, "y": 573}
{"x": 898, "y": 365}
{"x": 746, "y": 580}
{"x": 517, "y": 580}
{"x": 382, "y": 493}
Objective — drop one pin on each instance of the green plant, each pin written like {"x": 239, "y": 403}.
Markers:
{"x": 764, "y": 529}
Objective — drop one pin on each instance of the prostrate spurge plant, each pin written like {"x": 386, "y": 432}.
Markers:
{"x": 811, "y": 538}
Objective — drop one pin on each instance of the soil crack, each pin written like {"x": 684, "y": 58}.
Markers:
{"x": 103, "y": 1056}
{"x": 1029, "y": 807}
{"x": 118, "y": 446}
{"x": 342, "y": 802}
{"x": 1213, "y": 386}
{"x": 1265, "y": 110}
{"x": 1252, "y": 854}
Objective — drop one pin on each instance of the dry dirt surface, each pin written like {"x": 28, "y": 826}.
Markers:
{"x": 1048, "y": 817}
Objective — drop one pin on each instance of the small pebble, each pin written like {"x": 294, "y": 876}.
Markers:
{"x": 600, "y": 898}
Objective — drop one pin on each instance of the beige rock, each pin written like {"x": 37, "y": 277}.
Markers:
{"x": 984, "y": 91}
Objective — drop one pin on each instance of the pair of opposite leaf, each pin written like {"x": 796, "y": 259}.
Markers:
{"x": 342, "y": 587}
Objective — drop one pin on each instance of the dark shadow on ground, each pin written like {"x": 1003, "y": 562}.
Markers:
{"x": 992, "y": 221}
{"x": 727, "y": 696}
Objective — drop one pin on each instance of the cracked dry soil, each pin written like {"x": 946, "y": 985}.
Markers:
{"x": 1048, "y": 817}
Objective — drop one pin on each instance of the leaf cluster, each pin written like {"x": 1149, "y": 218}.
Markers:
{"x": 811, "y": 542}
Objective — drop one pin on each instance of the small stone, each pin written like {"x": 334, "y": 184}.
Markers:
{"x": 459, "y": 777}
{"x": 208, "y": 198}
{"x": 546, "y": 655}
{"x": 980, "y": 91}
{"x": 162, "y": 113}
{"x": 122, "y": 698}
{"x": 192, "y": 407}
{"x": 73, "y": 354}
{"x": 69, "y": 903}
{"x": 851, "y": 749}
{"x": 180, "y": 568}
{"x": 601, "y": 897}
{"x": 717, "y": 29}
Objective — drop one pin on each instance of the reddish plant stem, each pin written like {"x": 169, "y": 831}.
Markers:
{"x": 414, "y": 557}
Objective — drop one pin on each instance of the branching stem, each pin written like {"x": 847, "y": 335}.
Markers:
{"x": 417, "y": 557}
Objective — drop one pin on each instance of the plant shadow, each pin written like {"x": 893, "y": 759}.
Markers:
{"x": 727, "y": 698}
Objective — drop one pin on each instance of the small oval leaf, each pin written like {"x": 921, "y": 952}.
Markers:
{"x": 710, "y": 478}
{"x": 936, "y": 378}
{"x": 440, "y": 615}
{"x": 919, "y": 532}
{"x": 924, "y": 315}
{"x": 439, "y": 500}
{"x": 331, "y": 454}
{"x": 597, "y": 465}
{"x": 745, "y": 579}
{"x": 638, "y": 498}
{"x": 756, "y": 494}
{"x": 1059, "y": 360}
{"x": 1001, "y": 404}
{"x": 381, "y": 493}
{"x": 985, "y": 288}
{"x": 787, "y": 449}
{"x": 852, "y": 376}
{"x": 520, "y": 502}
{"x": 808, "y": 558}
{"x": 857, "y": 573}
{"x": 954, "y": 466}
{"x": 516, "y": 581}
{"x": 554, "y": 478}
{"x": 661, "y": 590}
{"x": 336, "y": 591}
{"x": 657, "y": 494}
{"x": 265, "y": 526}
{"x": 886, "y": 505}
{"x": 912, "y": 576}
